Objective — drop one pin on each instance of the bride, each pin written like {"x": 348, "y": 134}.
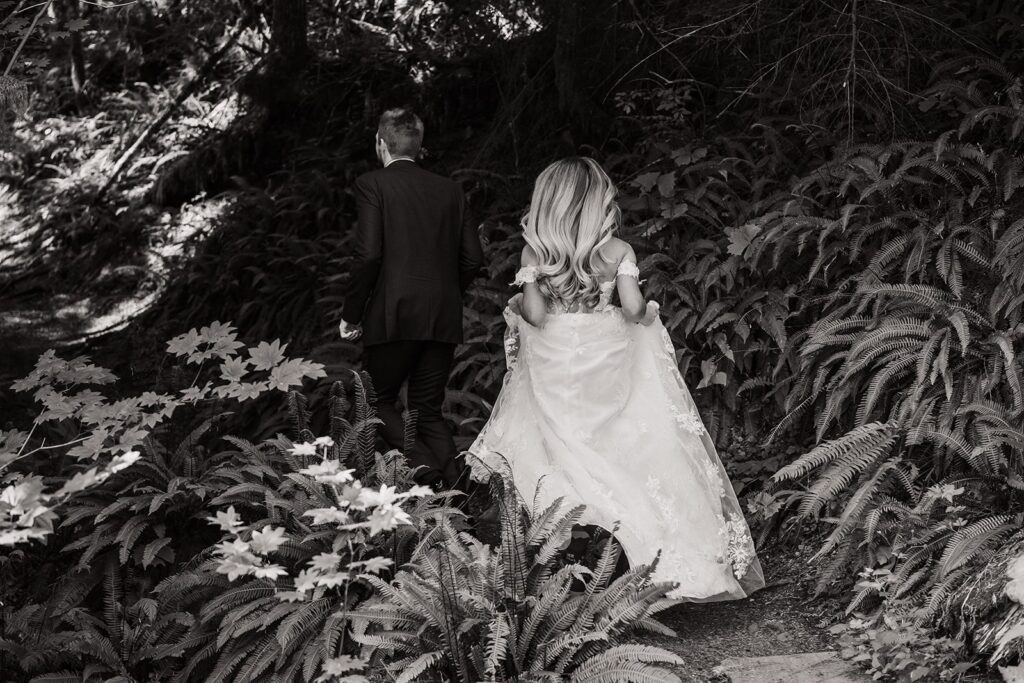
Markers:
{"x": 593, "y": 408}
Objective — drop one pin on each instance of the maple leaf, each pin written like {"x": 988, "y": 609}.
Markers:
{"x": 352, "y": 496}
{"x": 228, "y": 520}
{"x": 310, "y": 449}
{"x": 193, "y": 394}
{"x": 266, "y": 356}
{"x": 419, "y": 490}
{"x": 646, "y": 181}
{"x": 374, "y": 565}
{"x": 87, "y": 398}
{"x": 15, "y": 25}
{"x": 343, "y": 664}
{"x": 91, "y": 447}
{"x": 226, "y": 347}
{"x": 250, "y": 390}
{"x": 269, "y": 571}
{"x": 387, "y": 517}
{"x": 386, "y": 495}
{"x": 234, "y": 569}
{"x": 149, "y": 398}
{"x": 234, "y": 369}
{"x": 306, "y": 580}
{"x": 216, "y": 331}
{"x": 312, "y": 370}
{"x": 325, "y": 562}
{"x": 339, "y": 477}
{"x": 740, "y": 238}
{"x": 686, "y": 155}
{"x": 25, "y": 383}
{"x": 287, "y": 374}
{"x": 268, "y": 540}
{"x": 235, "y": 548}
{"x": 327, "y": 516}
{"x": 184, "y": 344}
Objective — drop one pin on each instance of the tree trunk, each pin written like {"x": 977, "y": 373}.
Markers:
{"x": 288, "y": 31}
{"x": 63, "y": 13}
{"x": 565, "y": 58}
{"x": 77, "y": 51}
{"x": 584, "y": 54}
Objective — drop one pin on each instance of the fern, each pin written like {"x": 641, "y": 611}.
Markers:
{"x": 455, "y": 584}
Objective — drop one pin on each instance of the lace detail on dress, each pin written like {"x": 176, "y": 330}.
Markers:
{"x": 629, "y": 269}
{"x": 511, "y": 347}
{"x": 690, "y": 422}
{"x": 525, "y": 275}
{"x": 667, "y": 504}
{"x": 740, "y": 544}
{"x": 714, "y": 478}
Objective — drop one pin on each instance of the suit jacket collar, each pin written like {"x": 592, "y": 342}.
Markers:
{"x": 400, "y": 163}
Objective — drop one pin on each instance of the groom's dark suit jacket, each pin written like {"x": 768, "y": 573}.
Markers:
{"x": 415, "y": 255}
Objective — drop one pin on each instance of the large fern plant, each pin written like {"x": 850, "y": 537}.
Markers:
{"x": 463, "y": 611}
{"x": 912, "y": 372}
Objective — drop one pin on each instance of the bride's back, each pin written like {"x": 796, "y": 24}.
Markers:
{"x": 571, "y": 258}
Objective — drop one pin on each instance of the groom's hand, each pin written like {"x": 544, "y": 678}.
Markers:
{"x": 349, "y": 332}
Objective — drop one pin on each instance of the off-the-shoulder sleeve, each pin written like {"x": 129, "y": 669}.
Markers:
{"x": 525, "y": 275}
{"x": 629, "y": 269}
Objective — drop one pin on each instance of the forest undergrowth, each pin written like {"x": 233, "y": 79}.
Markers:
{"x": 837, "y": 256}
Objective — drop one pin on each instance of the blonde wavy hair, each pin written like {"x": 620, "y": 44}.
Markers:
{"x": 572, "y": 214}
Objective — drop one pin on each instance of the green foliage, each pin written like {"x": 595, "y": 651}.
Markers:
{"x": 915, "y": 348}
{"x": 150, "y": 593}
{"x": 837, "y": 251}
{"x": 278, "y": 622}
{"x": 898, "y": 647}
{"x": 91, "y": 427}
{"x": 463, "y": 611}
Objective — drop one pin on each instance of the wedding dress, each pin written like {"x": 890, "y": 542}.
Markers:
{"x": 593, "y": 409}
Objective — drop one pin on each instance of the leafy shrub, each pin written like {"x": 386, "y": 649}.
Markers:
{"x": 151, "y": 592}
{"x": 90, "y": 427}
{"x": 271, "y": 599}
{"x": 898, "y": 647}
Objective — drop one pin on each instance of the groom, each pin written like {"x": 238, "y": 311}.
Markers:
{"x": 415, "y": 256}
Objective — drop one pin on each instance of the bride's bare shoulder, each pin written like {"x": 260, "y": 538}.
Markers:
{"x": 613, "y": 252}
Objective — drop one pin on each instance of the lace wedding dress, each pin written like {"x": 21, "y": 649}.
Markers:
{"x": 593, "y": 409}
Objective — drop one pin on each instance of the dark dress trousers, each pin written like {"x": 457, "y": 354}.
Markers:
{"x": 415, "y": 256}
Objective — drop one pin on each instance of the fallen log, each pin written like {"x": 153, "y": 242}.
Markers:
{"x": 156, "y": 125}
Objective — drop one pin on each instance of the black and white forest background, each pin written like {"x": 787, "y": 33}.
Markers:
{"x": 308, "y": 306}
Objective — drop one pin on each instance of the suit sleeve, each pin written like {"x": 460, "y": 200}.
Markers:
{"x": 471, "y": 254}
{"x": 367, "y": 250}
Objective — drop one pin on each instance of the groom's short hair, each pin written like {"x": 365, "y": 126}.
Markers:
{"x": 402, "y": 131}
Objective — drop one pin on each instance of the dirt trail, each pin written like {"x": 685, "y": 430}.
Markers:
{"x": 780, "y": 619}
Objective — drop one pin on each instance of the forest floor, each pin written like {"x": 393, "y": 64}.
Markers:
{"x": 781, "y": 619}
